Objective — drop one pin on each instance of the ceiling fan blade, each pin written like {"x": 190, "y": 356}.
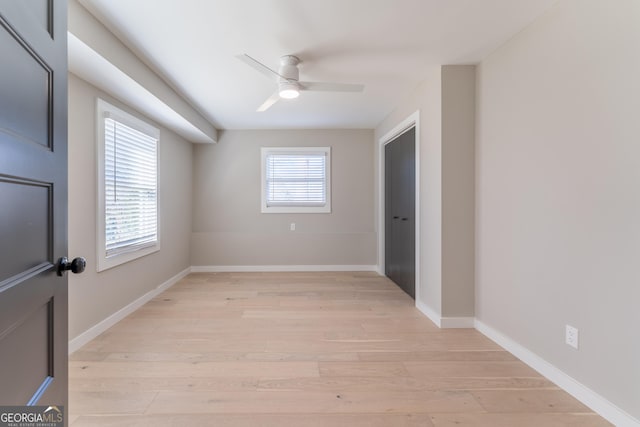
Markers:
{"x": 259, "y": 66}
{"x": 331, "y": 87}
{"x": 269, "y": 102}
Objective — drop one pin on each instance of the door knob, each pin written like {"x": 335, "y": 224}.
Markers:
{"x": 76, "y": 266}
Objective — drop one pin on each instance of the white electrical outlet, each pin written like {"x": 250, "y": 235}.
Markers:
{"x": 571, "y": 336}
{"x": 293, "y": 226}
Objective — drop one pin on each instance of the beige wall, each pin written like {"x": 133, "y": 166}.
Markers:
{"x": 95, "y": 296}
{"x": 558, "y": 173}
{"x": 458, "y": 190}
{"x": 446, "y": 101}
{"x": 230, "y": 230}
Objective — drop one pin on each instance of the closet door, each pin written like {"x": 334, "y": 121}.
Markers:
{"x": 400, "y": 210}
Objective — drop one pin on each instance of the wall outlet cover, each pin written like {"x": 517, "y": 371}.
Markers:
{"x": 571, "y": 336}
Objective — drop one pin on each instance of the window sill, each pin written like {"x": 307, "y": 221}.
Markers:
{"x": 296, "y": 209}
{"x": 105, "y": 263}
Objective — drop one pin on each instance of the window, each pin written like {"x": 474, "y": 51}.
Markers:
{"x": 128, "y": 217}
{"x": 296, "y": 180}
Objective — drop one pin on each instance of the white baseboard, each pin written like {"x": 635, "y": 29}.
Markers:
{"x": 428, "y": 311}
{"x": 91, "y": 333}
{"x": 278, "y": 268}
{"x": 445, "y": 322}
{"x": 593, "y": 400}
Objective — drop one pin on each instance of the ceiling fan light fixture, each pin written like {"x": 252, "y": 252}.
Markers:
{"x": 289, "y": 90}
{"x": 288, "y": 80}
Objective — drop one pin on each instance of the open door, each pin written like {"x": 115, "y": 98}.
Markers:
{"x": 33, "y": 202}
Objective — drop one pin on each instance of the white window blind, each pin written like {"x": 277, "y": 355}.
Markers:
{"x": 296, "y": 179}
{"x": 130, "y": 188}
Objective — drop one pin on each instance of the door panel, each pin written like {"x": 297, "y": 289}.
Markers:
{"x": 400, "y": 211}
{"x": 26, "y": 347}
{"x": 389, "y": 253}
{"x": 26, "y": 236}
{"x": 27, "y": 116}
{"x": 33, "y": 207}
{"x": 42, "y": 10}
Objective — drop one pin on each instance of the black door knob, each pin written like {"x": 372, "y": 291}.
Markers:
{"x": 76, "y": 266}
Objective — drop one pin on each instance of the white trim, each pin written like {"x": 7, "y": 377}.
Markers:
{"x": 93, "y": 332}
{"x": 412, "y": 121}
{"x": 103, "y": 110}
{"x": 590, "y": 398}
{"x": 445, "y": 322}
{"x": 325, "y": 208}
{"x": 428, "y": 311}
{"x": 278, "y": 268}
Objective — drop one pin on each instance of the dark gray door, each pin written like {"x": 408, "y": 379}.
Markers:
{"x": 400, "y": 208}
{"x": 33, "y": 202}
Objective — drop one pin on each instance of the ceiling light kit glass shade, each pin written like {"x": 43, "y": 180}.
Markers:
{"x": 288, "y": 90}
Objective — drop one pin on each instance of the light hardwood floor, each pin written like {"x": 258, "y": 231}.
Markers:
{"x": 303, "y": 350}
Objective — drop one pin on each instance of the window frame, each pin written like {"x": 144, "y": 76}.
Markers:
{"x": 265, "y": 151}
{"x": 106, "y": 110}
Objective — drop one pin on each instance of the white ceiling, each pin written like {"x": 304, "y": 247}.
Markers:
{"x": 384, "y": 44}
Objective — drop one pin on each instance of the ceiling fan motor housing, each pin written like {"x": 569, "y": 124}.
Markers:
{"x": 289, "y": 68}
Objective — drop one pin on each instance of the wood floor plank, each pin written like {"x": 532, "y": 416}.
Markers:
{"x": 529, "y": 401}
{"x": 473, "y": 369}
{"x": 305, "y": 350}
{"x": 434, "y": 356}
{"x": 172, "y": 344}
{"x": 362, "y": 369}
{"x": 391, "y": 325}
{"x": 235, "y": 326}
{"x": 351, "y": 346}
{"x": 164, "y": 384}
{"x": 110, "y": 401}
{"x": 286, "y": 313}
{"x": 134, "y": 369}
{"x": 257, "y": 420}
{"x": 286, "y": 402}
{"x": 325, "y": 383}
{"x": 218, "y": 356}
{"x": 531, "y": 419}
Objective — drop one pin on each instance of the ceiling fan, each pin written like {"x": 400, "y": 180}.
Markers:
{"x": 287, "y": 78}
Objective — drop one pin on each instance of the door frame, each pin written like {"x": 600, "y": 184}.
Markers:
{"x": 413, "y": 120}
